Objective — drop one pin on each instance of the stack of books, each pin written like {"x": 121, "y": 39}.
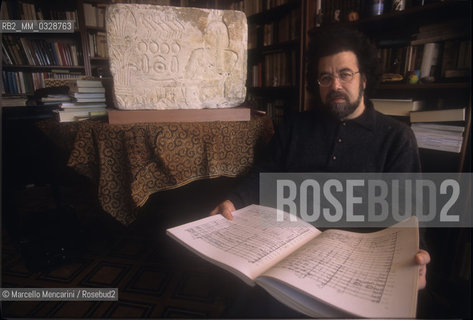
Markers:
{"x": 439, "y": 136}
{"x": 14, "y": 101}
{"x": 88, "y": 101}
{"x": 439, "y": 129}
{"x": 54, "y": 99}
{"x": 397, "y": 107}
{"x": 441, "y": 115}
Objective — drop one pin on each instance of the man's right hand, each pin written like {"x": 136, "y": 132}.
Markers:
{"x": 225, "y": 209}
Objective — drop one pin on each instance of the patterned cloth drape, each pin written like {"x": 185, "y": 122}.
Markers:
{"x": 131, "y": 162}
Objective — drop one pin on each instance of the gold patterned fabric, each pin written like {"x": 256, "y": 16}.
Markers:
{"x": 131, "y": 162}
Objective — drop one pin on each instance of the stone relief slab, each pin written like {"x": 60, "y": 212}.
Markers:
{"x": 164, "y": 57}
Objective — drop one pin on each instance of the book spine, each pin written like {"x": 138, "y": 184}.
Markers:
{"x": 429, "y": 60}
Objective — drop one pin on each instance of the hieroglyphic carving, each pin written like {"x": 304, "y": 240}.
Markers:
{"x": 165, "y": 57}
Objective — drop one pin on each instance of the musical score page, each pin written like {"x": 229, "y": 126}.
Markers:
{"x": 249, "y": 244}
{"x": 368, "y": 274}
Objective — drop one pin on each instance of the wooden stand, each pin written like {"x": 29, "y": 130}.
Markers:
{"x": 181, "y": 115}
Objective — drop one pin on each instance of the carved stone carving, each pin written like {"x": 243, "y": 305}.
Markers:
{"x": 165, "y": 57}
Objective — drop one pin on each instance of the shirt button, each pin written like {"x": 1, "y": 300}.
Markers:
{"x": 344, "y": 124}
{"x": 339, "y": 140}
{"x": 334, "y": 158}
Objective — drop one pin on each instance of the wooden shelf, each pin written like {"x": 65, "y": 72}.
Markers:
{"x": 276, "y": 91}
{"x": 273, "y": 14}
{"x": 95, "y": 29}
{"x": 280, "y": 60}
{"x": 432, "y": 12}
{"x": 37, "y": 35}
{"x": 30, "y": 68}
{"x": 98, "y": 59}
{"x": 277, "y": 47}
{"x": 424, "y": 86}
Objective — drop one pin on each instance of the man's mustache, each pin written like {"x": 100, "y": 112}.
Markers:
{"x": 336, "y": 95}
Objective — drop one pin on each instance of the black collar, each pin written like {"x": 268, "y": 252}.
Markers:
{"x": 368, "y": 118}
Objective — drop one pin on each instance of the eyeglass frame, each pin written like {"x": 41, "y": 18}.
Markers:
{"x": 332, "y": 78}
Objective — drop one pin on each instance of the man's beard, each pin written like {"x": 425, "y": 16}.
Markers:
{"x": 344, "y": 109}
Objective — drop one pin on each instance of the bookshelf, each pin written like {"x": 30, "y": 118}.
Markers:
{"x": 276, "y": 43}
{"x": 94, "y": 45}
{"x": 402, "y": 38}
{"x": 30, "y": 58}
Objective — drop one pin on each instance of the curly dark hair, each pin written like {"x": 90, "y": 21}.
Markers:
{"x": 329, "y": 41}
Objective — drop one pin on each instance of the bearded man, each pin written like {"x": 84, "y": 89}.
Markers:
{"x": 343, "y": 133}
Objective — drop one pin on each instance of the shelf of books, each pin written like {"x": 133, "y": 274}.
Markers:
{"x": 424, "y": 52}
{"x": 23, "y": 51}
{"x": 39, "y": 10}
{"x": 94, "y": 37}
{"x": 28, "y": 59}
{"x": 433, "y": 65}
{"x": 274, "y": 54}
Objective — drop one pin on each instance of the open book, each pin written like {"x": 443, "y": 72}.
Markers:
{"x": 333, "y": 273}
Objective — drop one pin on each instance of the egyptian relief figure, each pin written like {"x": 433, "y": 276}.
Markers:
{"x": 165, "y": 57}
{"x": 211, "y": 66}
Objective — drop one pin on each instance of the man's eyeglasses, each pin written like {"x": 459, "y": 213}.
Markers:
{"x": 326, "y": 80}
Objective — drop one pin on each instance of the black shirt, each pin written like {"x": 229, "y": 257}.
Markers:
{"x": 314, "y": 141}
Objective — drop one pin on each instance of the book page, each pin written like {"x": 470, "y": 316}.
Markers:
{"x": 249, "y": 244}
{"x": 369, "y": 275}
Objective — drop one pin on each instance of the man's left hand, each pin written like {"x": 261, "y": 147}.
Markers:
{"x": 422, "y": 258}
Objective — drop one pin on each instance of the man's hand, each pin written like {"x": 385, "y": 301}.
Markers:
{"x": 225, "y": 209}
{"x": 422, "y": 258}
